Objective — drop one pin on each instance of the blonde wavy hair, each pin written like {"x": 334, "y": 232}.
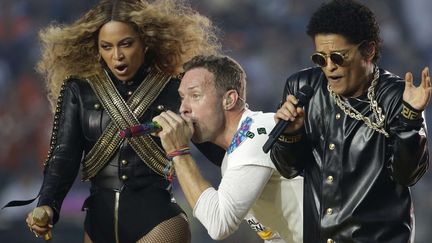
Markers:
{"x": 172, "y": 31}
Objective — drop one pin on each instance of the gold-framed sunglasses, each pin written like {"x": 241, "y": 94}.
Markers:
{"x": 337, "y": 57}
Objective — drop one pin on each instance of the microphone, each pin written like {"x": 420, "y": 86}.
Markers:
{"x": 140, "y": 129}
{"x": 41, "y": 219}
{"x": 303, "y": 96}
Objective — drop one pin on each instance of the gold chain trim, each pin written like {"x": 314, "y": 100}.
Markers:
{"x": 54, "y": 133}
{"x": 123, "y": 115}
{"x": 378, "y": 125}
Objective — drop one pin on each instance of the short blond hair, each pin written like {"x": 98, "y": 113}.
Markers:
{"x": 228, "y": 74}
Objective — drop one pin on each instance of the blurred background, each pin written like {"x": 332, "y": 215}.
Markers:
{"x": 266, "y": 37}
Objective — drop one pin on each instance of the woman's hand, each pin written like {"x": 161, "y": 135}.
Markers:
{"x": 35, "y": 226}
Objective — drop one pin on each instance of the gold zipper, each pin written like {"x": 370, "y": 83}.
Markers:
{"x": 116, "y": 208}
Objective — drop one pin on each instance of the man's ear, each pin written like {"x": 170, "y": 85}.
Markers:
{"x": 230, "y": 99}
{"x": 369, "y": 50}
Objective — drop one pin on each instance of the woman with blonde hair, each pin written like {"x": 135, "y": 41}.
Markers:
{"x": 121, "y": 60}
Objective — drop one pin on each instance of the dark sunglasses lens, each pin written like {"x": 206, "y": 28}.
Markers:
{"x": 318, "y": 60}
{"x": 337, "y": 58}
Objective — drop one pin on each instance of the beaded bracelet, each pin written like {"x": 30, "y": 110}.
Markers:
{"x": 181, "y": 151}
{"x": 169, "y": 171}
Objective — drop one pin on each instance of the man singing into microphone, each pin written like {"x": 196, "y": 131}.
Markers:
{"x": 361, "y": 141}
{"x": 213, "y": 109}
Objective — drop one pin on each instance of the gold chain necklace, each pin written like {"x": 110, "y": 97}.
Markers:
{"x": 378, "y": 124}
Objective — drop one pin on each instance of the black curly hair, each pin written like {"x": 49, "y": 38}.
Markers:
{"x": 348, "y": 18}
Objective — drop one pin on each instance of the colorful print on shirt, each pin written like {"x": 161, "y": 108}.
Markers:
{"x": 241, "y": 135}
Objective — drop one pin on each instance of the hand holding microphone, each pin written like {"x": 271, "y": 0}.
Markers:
{"x": 173, "y": 129}
{"x": 177, "y": 130}
{"x": 40, "y": 218}
{"x": 302, "y": 96}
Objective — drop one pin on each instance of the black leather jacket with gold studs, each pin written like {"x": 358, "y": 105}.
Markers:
{"x": 356, "y": 180}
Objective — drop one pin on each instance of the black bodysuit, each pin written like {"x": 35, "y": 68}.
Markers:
{"x": 127, "y": 197}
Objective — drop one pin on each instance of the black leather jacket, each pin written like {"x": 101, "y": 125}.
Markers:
{"x": 356, "y": 186}
{"x": 80, "y": 122}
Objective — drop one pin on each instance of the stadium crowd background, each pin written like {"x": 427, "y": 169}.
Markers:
{"x": 267, "y": 38}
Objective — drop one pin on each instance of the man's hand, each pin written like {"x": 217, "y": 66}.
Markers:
{"x": 418, "y": 97}
{"x": 176, "y": 131}
{"x": 40, "y": 230}
{"x": 289, "y": 112}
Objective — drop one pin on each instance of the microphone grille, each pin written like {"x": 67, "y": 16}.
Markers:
{"x": 40, "y": 217}
{"x": 304, "y": 94}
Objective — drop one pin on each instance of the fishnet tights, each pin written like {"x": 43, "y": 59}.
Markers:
{"x": 173, "y": 230}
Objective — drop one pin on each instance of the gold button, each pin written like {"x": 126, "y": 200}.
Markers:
{"x": 161, "y": 107}
{"x": 330, "y": 241}
{"x": 338, "y": 116}
{"x": 124, "y": 177}
{"x": 329, "y": 179}
{"x": 96, "y": 106}
{"x": 332, "y": 146}
{"x": 124, "y": 162}
{"x": 329, "y": 211}
{"x": 130, "y": 93}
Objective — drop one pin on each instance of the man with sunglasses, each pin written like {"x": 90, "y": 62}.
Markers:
{"x": 360, "y": 142}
